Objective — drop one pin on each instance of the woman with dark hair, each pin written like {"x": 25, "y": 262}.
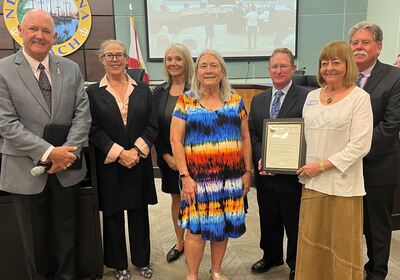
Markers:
{"x": 178, "y": 72}
{"x": 123, "y": 130}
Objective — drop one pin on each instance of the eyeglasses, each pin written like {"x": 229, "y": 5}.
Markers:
{"x": 283, "y": 67}
{"x": 110, "y": 56}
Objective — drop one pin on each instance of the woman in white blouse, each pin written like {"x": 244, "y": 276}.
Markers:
{"x": 338, "y": 130}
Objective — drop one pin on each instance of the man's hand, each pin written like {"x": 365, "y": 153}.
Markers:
{"x": 261, "y": 172}
{"x": 61, "y": 158}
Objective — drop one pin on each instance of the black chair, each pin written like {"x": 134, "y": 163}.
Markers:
{"x": 306, "y": 81}
{"x": 137, "y": 74}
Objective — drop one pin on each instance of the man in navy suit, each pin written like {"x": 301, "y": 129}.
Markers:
{"x": 382, "y": 82}
{"x": 278, "y": 196}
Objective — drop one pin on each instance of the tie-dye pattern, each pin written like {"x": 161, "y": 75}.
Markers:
{"x": 213, "y": 150}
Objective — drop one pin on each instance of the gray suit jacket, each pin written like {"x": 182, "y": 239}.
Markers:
{"x": 24, "y": 115}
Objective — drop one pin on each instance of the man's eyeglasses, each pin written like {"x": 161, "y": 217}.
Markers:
{"x": 283, "y": 67}
{"x": 110, "y": 56}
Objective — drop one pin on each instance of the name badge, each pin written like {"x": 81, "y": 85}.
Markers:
{"x": 311, "y": 102}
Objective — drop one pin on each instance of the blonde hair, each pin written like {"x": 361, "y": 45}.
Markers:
{"x": 225, "y": 90}
{"x": 183, "y": 52}
{"x": 342, "y": 51}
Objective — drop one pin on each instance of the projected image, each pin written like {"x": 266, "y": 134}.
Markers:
{"x": 236, "y": 28}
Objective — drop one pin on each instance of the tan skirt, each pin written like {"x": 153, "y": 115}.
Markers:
{"x": 330, "y": 237}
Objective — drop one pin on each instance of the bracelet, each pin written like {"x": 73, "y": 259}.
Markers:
{"x": 183, "y": 175}
{"x": 321, "y": 166}
{"x": 138, "y": 151}
{"x": 249, "y": 171}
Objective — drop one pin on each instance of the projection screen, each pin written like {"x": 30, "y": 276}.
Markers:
{"x": 238, "y": 29}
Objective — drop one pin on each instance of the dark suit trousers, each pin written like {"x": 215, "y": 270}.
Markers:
{"x": 115, "y": 255}
{"x": 48, "y": 228}
{"x": 278, "y": 211}
{"x": 378, "y": 208}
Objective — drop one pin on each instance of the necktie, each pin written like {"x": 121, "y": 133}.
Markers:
{"x": 276, "y": 104}
{"x": 359, "y": 79}
{"x": 44, "y": 85}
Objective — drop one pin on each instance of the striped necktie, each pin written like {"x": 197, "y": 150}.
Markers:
{"x": 359, "y": 79}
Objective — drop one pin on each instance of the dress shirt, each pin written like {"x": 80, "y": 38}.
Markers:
{"x": 34, "y": 64}
{"x": 284, "y": 91}
{"x": 366, "y": 74}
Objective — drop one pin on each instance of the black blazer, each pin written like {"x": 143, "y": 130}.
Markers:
{"x": 162, "y": 143}
{"x": 292, "y": 107}
{"x": 121, "y": 188}
{"x": 381, "y": 163}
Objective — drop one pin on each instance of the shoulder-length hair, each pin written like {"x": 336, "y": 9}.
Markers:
{"x": 342, "y": 51}
{"x": 183, "y": 52}
{"x": 225, "y": 90}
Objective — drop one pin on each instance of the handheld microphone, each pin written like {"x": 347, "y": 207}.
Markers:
{"x": 40, "y": 169}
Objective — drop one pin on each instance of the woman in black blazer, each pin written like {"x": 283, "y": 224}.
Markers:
{"x": 178, "y": 72}
{"x": 123, "y": 130}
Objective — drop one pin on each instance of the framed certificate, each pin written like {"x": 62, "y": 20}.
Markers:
{"x": 283, "y": 145}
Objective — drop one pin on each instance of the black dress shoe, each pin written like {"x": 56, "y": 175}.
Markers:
{"x": 291, "y": 275}
{"x": 174, "y": 254}
{"x": 262, "y": 266}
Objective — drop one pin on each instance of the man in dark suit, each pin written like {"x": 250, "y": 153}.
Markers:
{"x": 382, "y": 82}
{"x": 36, "y": 89}
{"x": 278, "y": 196}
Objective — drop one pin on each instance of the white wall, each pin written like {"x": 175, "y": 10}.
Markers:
{"x": 386, "y": 13}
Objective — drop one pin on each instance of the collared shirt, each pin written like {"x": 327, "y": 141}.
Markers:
{"x": 116, "y": 149}
{"x": 366, "y": 74}
{"x": 34, "y": 64}
{"x": 284, "y": 91}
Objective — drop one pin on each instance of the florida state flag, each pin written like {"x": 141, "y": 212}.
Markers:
{"x": 135, "y": 55}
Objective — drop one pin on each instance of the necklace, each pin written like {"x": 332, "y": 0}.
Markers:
{"x": 329, "y": 98}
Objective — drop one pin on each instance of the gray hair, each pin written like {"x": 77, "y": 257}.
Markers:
{"x": 371, "y": 27}
{"x": 225, "y": 90}
{"x": 183, "y": 52}
{"x": 105, "y": 43}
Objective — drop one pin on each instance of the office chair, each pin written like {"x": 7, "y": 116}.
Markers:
{"x": 137, "y": 74}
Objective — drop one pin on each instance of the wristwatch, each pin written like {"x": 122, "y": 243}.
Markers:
{"x": 183, "y": 175}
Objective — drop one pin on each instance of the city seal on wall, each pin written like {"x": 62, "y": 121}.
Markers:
{"x": 73, "y": 20}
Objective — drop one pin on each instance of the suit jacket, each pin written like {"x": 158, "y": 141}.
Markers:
{"x": 162, "y": 143}
{"x": 381, "y": 163}
{"x": 24, "y": 115}
{"x": 292, "y": 107}
{"x": 121, "y": 188}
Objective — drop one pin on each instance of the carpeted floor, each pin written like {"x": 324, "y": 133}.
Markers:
{"x": 240, "y": 255}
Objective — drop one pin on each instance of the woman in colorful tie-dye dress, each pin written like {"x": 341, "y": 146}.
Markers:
{"x": 211, "y": 146}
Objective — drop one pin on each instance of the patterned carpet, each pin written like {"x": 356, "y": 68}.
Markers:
{"x": 240, "y": 255}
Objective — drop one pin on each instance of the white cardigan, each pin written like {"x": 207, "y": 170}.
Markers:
{"x": 342, "y": 133}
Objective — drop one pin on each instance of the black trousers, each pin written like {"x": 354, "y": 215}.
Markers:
{"x": 115, "y": 255}
{"x": 378, "y": 208}
{"x": 278, "y": 211}
{"x": 48, "y": 227}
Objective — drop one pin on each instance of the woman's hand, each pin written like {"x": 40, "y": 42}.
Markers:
{"x": 128, "y": 158}
{"x": 246, "y": 179}
{"x": 189, "y": 189}
{"x": 310, "y": 170}
{"x": 169, "y": 159}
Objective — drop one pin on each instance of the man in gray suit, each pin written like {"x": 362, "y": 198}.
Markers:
{"x": 278, "y": 196}
{"x": 382, "y": 82}
{"x": 36, "y": 89}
